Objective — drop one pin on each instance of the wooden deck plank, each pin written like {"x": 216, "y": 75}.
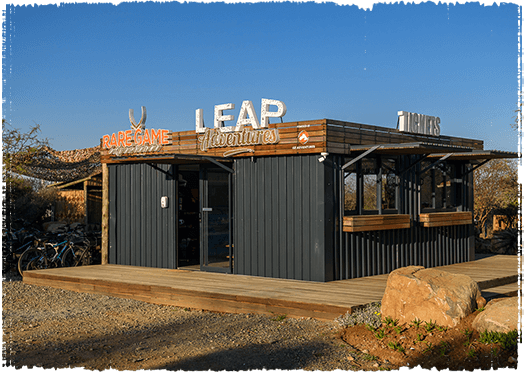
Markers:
{"x": 241, "y": 293}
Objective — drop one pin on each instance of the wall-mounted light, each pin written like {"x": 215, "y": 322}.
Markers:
{"x": 323, "y": 157}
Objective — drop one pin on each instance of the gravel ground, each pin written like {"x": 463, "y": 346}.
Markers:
{"x": 54, "y": 328}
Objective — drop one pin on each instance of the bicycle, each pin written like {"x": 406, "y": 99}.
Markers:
{"x": 49, "y": 255}
{"x": 15, "y": 244}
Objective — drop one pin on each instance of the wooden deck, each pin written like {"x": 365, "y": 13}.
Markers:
{"x": 496, "y": 275}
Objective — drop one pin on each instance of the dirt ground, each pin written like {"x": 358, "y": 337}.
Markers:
{"x": 53, "y": 328}
{"x": 457, "y": 348}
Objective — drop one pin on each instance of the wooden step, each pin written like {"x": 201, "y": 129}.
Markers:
{"x": 507, "y": 290}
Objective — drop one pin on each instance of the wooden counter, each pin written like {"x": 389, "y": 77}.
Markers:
{"x": 376, "y": 222}
{"x": 446, "y": 219}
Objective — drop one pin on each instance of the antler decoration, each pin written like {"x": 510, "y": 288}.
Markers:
{"x": 141, "y": 124}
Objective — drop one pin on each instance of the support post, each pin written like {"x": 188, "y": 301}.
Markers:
{"x": 105, "y": 214}
{"x": 86, "y": 203}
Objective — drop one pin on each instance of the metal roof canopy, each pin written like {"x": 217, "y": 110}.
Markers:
{"x": 480, "y": 155}
{"x": 428, "y": 150}
{"x": 176, "y": 159}
{"x": 410, "y": 148}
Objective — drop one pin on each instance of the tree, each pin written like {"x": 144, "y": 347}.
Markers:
{"x": 22, "y": 197}
{"x": 18, "y": 149}
{"x": 496, "y": 191}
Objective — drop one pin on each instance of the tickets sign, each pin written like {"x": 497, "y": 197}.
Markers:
{"x": 418, "y": 123}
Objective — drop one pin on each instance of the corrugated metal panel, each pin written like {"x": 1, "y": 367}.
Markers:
{"x": 141, "y": 233}
{"x": 279, "y": 224}
{"x": 380, "y": 252}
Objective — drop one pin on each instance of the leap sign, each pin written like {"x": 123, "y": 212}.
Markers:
{"x": 247, "y": 116}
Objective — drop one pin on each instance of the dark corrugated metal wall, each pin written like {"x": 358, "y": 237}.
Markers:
{"x": 283, "y": 218}
{"x": 380, "y": 252}
{"x": 141, "y": 233}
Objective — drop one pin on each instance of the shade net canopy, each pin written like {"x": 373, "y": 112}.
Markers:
{"x": 58, "y": 166}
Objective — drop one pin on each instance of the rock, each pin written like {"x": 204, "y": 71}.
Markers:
{"x": 415, "y": 292}
{"x": 481, "y": 302}
{"x": 500, "y": 315}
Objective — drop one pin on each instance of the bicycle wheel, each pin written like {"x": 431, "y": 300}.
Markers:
{"x": 74, "y": 256}
{"x": 31, "y": 259}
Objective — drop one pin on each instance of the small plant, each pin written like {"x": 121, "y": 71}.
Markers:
{"x": 390, "y": 322}
{"x": 505, "y": 340}
{"x": 428, "y": 348}
{"x": 419, "y": 338}
{"x": 444, "y": 347}
{"x": 380, "y": 334}
{"x": 369, "y": 357}
{"x": 471, "y": 353}
{"x": 398, "y": 329}
{"x": 416, "y": 323}
{"x": 429, "y": 326}
{"x": 481, "y": 309}
{"x": 440, "y": 329}
{"x": 279, "y": 318}
{"x": 468, "y": 334}
{"x": 396, "y": 346}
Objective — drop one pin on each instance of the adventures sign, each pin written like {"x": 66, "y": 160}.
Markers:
{"x": 248, "y": 131}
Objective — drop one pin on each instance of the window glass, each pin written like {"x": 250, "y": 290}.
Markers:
{"x": 369, "y": 184}
{"x": 426, "y": 187}
{"x": 389, "y": 184}
{"x": 349, "y": 186}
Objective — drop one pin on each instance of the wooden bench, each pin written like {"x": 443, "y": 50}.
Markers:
{"x": 376, "y": 222}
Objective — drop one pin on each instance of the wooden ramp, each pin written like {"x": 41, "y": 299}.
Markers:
{"x": 249, "y": 294}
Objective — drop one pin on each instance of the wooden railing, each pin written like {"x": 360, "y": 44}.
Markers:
{"x": 376, "y": 222}
{"x": 445, "y": 219}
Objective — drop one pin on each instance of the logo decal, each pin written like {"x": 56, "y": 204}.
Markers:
{"x": 303, "y": 137}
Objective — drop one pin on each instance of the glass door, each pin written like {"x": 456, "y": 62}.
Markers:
{"x": 216, "y": 246}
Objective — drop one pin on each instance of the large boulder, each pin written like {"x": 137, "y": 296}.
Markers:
{"x": 500, "y": 315}
{"x": 415, "y": 292}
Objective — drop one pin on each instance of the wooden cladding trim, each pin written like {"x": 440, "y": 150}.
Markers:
{"x": 325, "y": 135}
{"x": 446, "y": 219}
{"x": 376, "y": 222}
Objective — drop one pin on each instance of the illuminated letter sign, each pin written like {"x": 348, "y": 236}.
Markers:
{"x": 247, "y": 131}
{"x": 247, "y": 116}
{"x": 417, "y": 123}
{"x": 137, "y": 139}
{"x": 265, "y": 113}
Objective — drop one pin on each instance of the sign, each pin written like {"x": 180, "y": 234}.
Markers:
{"x": 303, "y": 137}
{"x": 248, "y": 131}
{"x": 215, "y": 138}
{"x": 247, "y": 116}
{"x": 418, "y": 123}
{"x": 137, "y": 139}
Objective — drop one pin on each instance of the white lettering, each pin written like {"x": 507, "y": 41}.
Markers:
{"x": 219, "y": 118}
{"x": 214, "y": 138}
{"x": 247, "y": 115}
{"x": 247, "y": 108}
{"x": 199, "y": 122}
{"x": 265, "y": 113}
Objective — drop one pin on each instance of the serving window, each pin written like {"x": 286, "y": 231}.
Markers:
{"x": 371, "y": 187}
{"x": 438, "y": 190}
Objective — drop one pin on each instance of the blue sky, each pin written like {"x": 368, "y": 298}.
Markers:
{"x": 76, "y": 69}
